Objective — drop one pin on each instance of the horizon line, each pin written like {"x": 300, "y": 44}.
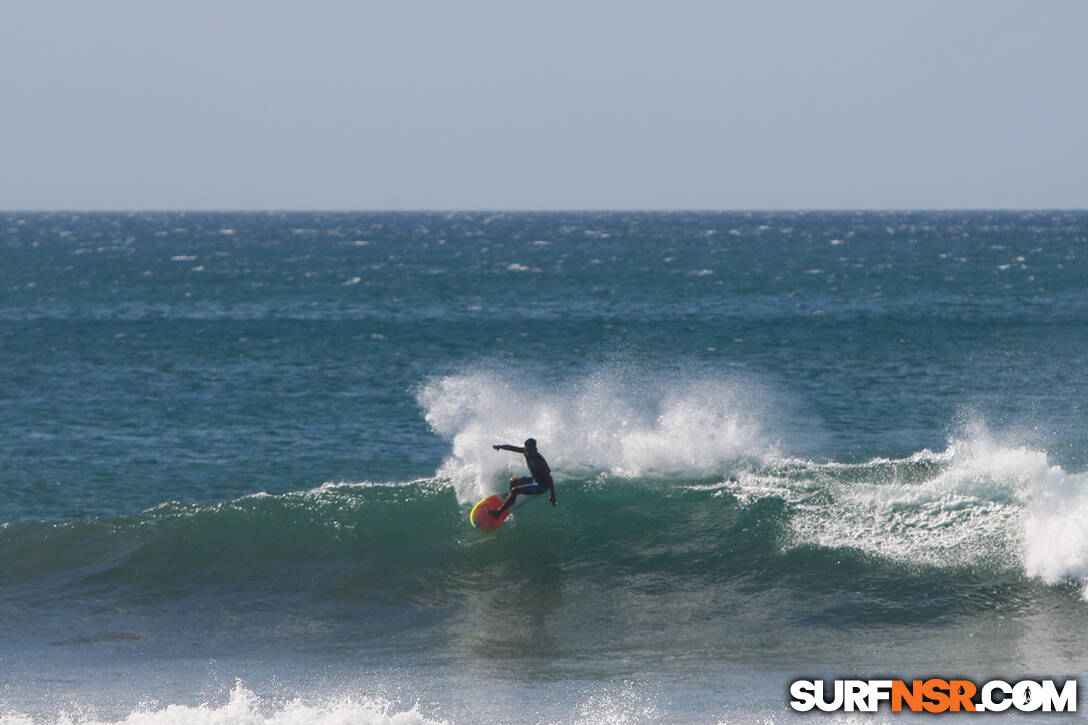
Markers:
{"x": 573, "y": 210}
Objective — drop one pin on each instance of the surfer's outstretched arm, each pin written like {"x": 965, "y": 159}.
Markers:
{"x": 506, "y": 447}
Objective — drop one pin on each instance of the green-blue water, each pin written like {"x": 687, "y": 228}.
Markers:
{"x": 238, "y": 452}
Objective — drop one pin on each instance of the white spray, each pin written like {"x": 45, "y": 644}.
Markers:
{"x": 617, "y": 420}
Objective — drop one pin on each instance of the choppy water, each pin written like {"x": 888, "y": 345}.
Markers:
{"x": 239, "y": 450}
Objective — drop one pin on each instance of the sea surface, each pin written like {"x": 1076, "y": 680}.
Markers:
{"x": 238, "y": 451}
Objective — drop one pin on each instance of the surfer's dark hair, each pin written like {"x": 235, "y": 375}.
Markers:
{"x": 530, "y": 443}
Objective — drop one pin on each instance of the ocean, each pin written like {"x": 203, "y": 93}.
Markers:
{"x": 238, "y": 451}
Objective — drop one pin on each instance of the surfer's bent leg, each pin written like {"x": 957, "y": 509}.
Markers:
{"x": 529, "y": 489}
{"x": 520, "y": 481}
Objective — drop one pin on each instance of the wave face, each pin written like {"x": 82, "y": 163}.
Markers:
{"x": 634, "y": 562}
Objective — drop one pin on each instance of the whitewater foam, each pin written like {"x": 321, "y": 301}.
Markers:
{"x": 246, "y": 708}
{"x": 983, "y": 501}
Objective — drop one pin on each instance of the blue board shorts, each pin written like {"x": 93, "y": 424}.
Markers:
{"x": 531, "y": 488}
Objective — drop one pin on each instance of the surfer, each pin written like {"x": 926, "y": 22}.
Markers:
{"x": 538, "y": 483}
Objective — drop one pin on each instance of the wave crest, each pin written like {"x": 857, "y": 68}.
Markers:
{"x": 613, "y": 421}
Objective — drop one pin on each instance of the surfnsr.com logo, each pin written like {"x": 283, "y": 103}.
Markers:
{"x": 934, "y": 695}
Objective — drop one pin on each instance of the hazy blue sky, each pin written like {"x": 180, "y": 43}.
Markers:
{"x": 548, "y": 105}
